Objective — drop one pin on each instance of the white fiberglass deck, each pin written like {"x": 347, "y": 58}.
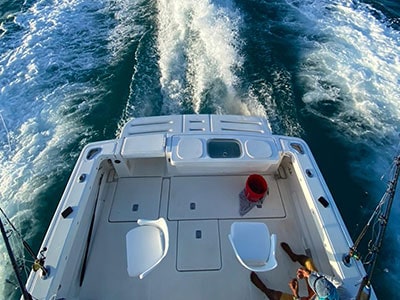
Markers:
{"x": 200, "y": 262}
{"x": 189, "y": 170}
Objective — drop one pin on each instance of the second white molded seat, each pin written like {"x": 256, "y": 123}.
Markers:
{"x": 254, "y": 246}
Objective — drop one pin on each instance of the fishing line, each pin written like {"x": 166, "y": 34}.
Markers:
{"x": 6, "y": 130}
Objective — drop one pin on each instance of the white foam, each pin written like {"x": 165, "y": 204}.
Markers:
{"x": 350, "y": 71}
{"x": 47, "y": 88}
{"x": 355, "y": 65}
{"x": 127, "y": 16}
{"x": 199, "y": 53}
{"x": 349, "y": 68}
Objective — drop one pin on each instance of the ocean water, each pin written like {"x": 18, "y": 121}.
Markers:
{"x": 73, "y": 71}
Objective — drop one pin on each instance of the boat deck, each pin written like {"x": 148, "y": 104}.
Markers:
{"x": 190, "y": 170}
{"x": 199, "y": 211}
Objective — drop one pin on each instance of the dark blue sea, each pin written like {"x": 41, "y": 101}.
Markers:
{"x": 74, "y": 71}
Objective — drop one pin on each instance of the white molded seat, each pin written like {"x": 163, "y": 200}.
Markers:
{"x": 146, "y": 246}
{"x": 254, "y": 246}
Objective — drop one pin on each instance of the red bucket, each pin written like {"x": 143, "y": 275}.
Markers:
{"x": 256, "y": 187}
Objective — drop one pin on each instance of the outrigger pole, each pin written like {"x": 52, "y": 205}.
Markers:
{"x": 24, "y": 292}
{"x": 374, "y": 246}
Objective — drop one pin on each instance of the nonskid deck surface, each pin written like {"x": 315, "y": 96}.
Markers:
{"x": 197, "y": 266}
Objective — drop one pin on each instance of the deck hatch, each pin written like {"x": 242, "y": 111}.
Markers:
{"x": 198, "y": 246}
{"x": 136, "y": 198}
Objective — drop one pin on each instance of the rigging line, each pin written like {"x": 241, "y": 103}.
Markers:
{"x": 24, "y": 243}
{"x": 375, "y": 243}
{"x": 7, "y": 132}
{"x": 392, "y": 167}
{"x": 21, "y": 260}
{"x": 24, "y": 292}
{"x": 384, "y": 218}
{"x": 378, "y": 218}
{"x": 127, "y": 110}
{"x": 364, "y": 230}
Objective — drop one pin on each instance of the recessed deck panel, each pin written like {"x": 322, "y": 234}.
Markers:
{"x": 198, "y": 246}
{"x": 217, "y": 197}
{"x": 136, "y": 198}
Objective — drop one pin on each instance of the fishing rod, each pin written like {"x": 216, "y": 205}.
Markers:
{"x": 38, "y": 263}
{"x": 381, "y": 214}
{"x": 24, "y": 243}
{"x": 22, "y": 287}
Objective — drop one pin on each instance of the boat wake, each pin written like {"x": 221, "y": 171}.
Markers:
{"x": 54, "y": 59}
{"x": 352, "y": 70}
{"x": 200, "y": 55}
{"x": 349, "y": 76}
{"x": 187, "y": 56}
